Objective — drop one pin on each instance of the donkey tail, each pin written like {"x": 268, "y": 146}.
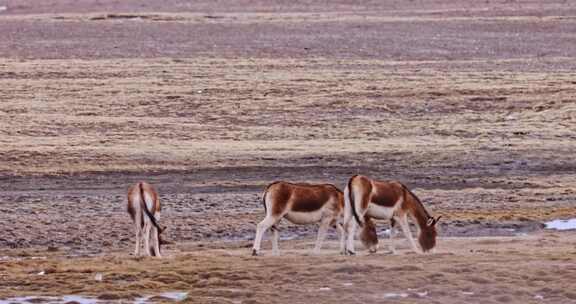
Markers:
{"x": 145, "y": 208}
{"x": 351, "y": 200}
{"x": 273, "y": 227}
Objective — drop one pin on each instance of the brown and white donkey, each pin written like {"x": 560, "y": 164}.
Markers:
{"x": 144, "y": 209}
{"x": 301, "y": 204}
{"x": 366, "y": 198}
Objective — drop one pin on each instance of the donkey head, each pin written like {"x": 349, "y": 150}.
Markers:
{"x": 427, "y": 238}
{"x": 368, "y": 235}
{"x": 432, "y": 221}
{"x": 161, "y": 241}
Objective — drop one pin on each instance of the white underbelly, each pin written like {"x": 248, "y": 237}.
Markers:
{"x": 304, "y": 217}
{"x": 380, "y": 212}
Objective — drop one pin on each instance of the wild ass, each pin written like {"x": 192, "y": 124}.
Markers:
{"x": 144, "y": 209}
{"x": 366, "y": 199}
{"x": 300, "y": 204}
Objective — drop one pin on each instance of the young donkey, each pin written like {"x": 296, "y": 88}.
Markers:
{"x": 144, "y": 209}
{"x": 300, "y": 204}
{"x": 366, "y": 199}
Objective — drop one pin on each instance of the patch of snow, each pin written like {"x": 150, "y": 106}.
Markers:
{"x": 98, "y": 277}
{"x": 11, "y": 258}
{"x": 382, "y": 233}
{"x": 422, "y": 294}
{"x": 79, "y": 299}
{"x": 562, "y": 224}
{"x": 51, "y": 300}
{"x": 419, "y": 294}
{"x": 391, "y": 295}
{"x": 172, "y": 295}
{"x": 175, "y": 295}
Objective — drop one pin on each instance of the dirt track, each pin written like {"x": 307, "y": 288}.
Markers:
{"x": 470, "y": 104}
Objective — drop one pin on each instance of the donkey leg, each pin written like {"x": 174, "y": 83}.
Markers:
{"x": 351, "y": 232}
{"x": 147, "y": 235}
{"x": 156, "y": 237}
{"x": 324, "y": 225}
{"x": 349, "y": 224}
{"x": 342, "y": 233}
{"x": 139, "y": 234}
{"x": 403, "y": 221}
{"x": 260, "y": 229}
{"x": 392, "y": 233}
{"x": 156, "y": 242}
{"x": 138, "y": 231}
{"x": 275, "y": 238}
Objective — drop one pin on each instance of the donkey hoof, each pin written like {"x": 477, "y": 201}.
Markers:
{"x": 372, "y": 251}
{"x": 349, "y": 252}
{"x": 254, "y": 252}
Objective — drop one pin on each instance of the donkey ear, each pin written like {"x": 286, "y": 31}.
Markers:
{"x": 431, "y": 221}
{"x": 437, "y": 219}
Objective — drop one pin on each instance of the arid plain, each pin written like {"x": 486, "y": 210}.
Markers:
{"x": 472, "y": 104}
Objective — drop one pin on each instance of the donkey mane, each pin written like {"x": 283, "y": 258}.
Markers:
{"x": 418, "y": 204}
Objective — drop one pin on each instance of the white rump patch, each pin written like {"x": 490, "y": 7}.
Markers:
{"x": 149, "y": 201}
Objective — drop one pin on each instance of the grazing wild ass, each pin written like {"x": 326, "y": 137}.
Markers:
{"x": 144, "y": 209}
{"x": 366, "y": 199}
{"x": 300, "y": 204}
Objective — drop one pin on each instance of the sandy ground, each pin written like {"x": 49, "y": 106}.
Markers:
{"x": 471, "y": 104}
